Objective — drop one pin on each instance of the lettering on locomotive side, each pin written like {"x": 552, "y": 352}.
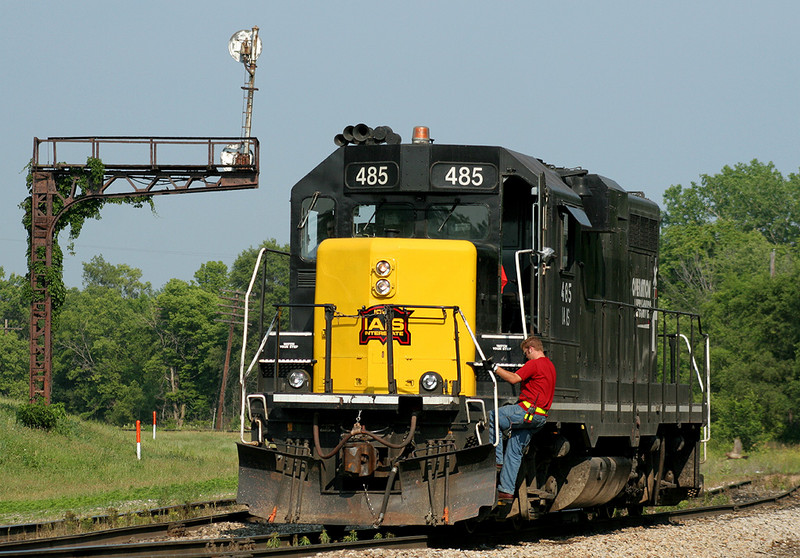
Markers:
{"x": 566, "y": 299}
{"x": 642, "y": 291}
{"x": 373, "y": 325}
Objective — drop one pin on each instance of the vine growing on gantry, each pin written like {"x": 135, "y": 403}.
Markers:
{"x": 86, "y": 180}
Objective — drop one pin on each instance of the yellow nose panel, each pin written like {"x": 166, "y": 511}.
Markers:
{"x": 361, "y": 276}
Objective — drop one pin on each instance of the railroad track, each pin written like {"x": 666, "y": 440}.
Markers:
{"x": 12, "y": 532}
{"x": 161, "y": 539}
{"x": 175, "y": 539}
{"x": 572, "y": 523}
{"x": 247, "y": 546}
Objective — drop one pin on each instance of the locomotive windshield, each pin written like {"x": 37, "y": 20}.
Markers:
{"x": 458, "y": 221}
{"x": 384, "y": 219}
{"x": 454, "y": 221}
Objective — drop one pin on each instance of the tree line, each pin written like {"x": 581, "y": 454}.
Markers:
{"x": 122, "y": 349}
{"x": 729, "y": 250}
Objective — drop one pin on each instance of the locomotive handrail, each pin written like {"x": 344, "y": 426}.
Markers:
{"x": 519, "y": 290}
{"x": 707, "y": 427}
{"x": 705, "y": 389}
{"x": 491, "y": 375}
{"x": 694, "y": 362}
{"x": 242, "y": 385}
{"x": 469, "y": 418}
{"x": 243, "y": 376}
{"x": 655, "y": 310}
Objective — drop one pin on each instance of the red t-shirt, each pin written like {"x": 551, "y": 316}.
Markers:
{"x": 538, "y": 382}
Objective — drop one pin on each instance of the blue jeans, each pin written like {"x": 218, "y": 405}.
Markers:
{"x": 511, "y": 416}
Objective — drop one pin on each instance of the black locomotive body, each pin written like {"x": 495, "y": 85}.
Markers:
{"x": 410, "y": 264}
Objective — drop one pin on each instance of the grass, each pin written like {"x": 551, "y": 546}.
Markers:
{"x": 771, "y": 463}
{"x": 770, "y": 468}
{"x": 86, "y": 468}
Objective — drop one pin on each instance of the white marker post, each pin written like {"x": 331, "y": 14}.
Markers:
{"x": 154, "y": 425}
{"x": 138, "y": 439}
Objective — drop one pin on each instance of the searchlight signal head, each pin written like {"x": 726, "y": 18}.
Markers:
{"x": 244, "y": 46}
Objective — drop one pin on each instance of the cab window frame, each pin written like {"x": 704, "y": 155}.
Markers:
{"x": 318, "y": 220}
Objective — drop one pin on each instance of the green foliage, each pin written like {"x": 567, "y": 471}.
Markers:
{"x": 14, "y": 307}
{"x": 212, "y": 277}
{"x": 101, "y": 351}
{"x": 729, "y": 249}
{"x": 14, "y": 355}
{"x": 78, "y": 184}
{"x": 39, "y": 415}
{"x": 351, "y": 537}
{"x": 738, "y": 416}
{"x": 121, "y": 278}
{"x": 324, "y": 537}
{"x": 274, "y": 541}
{"x": 122, "y": 349}
{"x": 730, "y": 196}
{"x": 277, "y": 269}
{"x": 14, "y": 350}
{"x": 191, "y": 348}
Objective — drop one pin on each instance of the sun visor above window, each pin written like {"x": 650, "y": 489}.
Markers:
{"x": 579, "y": 215}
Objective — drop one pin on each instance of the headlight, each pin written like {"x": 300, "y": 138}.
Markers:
{"x": 297, "y": 379}
{"x": 429, "y": 381}
{"x": 383, "y": 268}
{"x": 383, "y": 287}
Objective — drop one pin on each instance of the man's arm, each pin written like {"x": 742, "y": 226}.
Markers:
{"x": 510, "y": 377}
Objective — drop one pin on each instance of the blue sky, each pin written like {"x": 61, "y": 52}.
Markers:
{"x": 649, "y": 94}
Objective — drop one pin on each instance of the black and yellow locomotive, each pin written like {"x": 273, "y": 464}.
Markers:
{"x": 411, "y": 264}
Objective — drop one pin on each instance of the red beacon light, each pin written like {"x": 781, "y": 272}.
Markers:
{"x": 421, "y": 135}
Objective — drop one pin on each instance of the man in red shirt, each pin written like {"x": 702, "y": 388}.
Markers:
{"x": 527, "y": 416}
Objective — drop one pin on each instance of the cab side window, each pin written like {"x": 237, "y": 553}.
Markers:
{"x": 318, "y": 222}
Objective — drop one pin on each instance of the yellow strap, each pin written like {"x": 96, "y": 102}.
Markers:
{"x": 528, "y": 405}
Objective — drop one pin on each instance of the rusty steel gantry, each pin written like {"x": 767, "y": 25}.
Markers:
{"x": 127, "y": 173}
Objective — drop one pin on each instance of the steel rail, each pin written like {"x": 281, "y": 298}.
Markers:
{"x": 19, "y": 529}
{"x": 117, "y": 534}
{"x": 258, "y": 545}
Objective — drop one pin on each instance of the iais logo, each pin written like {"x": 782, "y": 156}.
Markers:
{"x": 373, "y": 325}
